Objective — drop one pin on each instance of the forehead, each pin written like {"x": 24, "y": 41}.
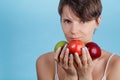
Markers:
{"x": 68, "y": 13}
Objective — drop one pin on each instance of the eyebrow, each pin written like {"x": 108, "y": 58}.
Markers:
{"x": 64, "y": 18}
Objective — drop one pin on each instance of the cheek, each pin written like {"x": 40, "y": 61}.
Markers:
{"x": 90, "y": 29}
{"x": 89, "y": 32}
{"x": 65, "y": 29}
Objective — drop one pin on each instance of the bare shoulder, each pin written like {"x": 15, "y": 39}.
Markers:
{"x": 47, "y": 57}
{"x": 115, "y": 61}
{"x": 45, "y": 66}
{"x": 114, "y": 68}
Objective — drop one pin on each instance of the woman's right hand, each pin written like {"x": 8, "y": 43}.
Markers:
{"x": 65, "y": 60}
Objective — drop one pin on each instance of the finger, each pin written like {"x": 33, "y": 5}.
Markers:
{"x": 70, "y": 64}
{"x": 66, "y": 57}
{"x": 88, "y": 56}
{"x": 84, "y": 57}
{"x": 62, "y": 54}
{"x": 78, "y": 60}
{"x": 57, "y": 53}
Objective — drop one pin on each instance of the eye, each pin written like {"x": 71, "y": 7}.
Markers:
{"x": 67, "y": 21}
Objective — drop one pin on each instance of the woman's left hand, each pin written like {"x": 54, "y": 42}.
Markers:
{"x": 84, "y": 65}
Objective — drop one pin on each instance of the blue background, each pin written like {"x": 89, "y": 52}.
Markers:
{"x": 30, "y": 28}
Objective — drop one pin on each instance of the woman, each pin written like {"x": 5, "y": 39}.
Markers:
{"x": 79, "y": 19}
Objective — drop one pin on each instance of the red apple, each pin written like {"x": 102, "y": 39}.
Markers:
{"x": 75, "y": 46}
{"x": 94, "y": 50}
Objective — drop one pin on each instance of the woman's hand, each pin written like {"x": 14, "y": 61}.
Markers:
{"x": 84, "y": 65}
{"x": 65, "y": 60}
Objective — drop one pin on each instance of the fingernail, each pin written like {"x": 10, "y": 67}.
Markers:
{"x": 67, "y": 50}
{"x": 59, "y": 48}
{"x": 83, "y": 49}
{"x": 76, "y": 54}
{"x": 71, "y": 55}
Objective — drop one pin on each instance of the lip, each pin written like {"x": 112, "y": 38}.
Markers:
{"x": 75, "y": 38}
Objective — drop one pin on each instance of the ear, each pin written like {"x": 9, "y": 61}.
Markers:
{"x": 99, "y": 20}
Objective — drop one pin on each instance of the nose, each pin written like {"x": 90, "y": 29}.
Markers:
{"x": 75, "y": 28}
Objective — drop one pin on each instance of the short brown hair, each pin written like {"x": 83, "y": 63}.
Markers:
{"x": 87, "y": 10}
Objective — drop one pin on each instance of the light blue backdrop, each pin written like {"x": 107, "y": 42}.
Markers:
{"x": 30, "y": 28}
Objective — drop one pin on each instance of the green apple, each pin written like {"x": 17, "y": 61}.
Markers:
{"x": 60, "y": 44}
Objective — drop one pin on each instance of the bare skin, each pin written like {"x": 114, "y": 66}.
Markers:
{"x": 45, "y": 66}
{"x": 74, "y": 67}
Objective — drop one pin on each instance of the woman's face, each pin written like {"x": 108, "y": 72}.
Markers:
{"x": 74, "y": 28}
